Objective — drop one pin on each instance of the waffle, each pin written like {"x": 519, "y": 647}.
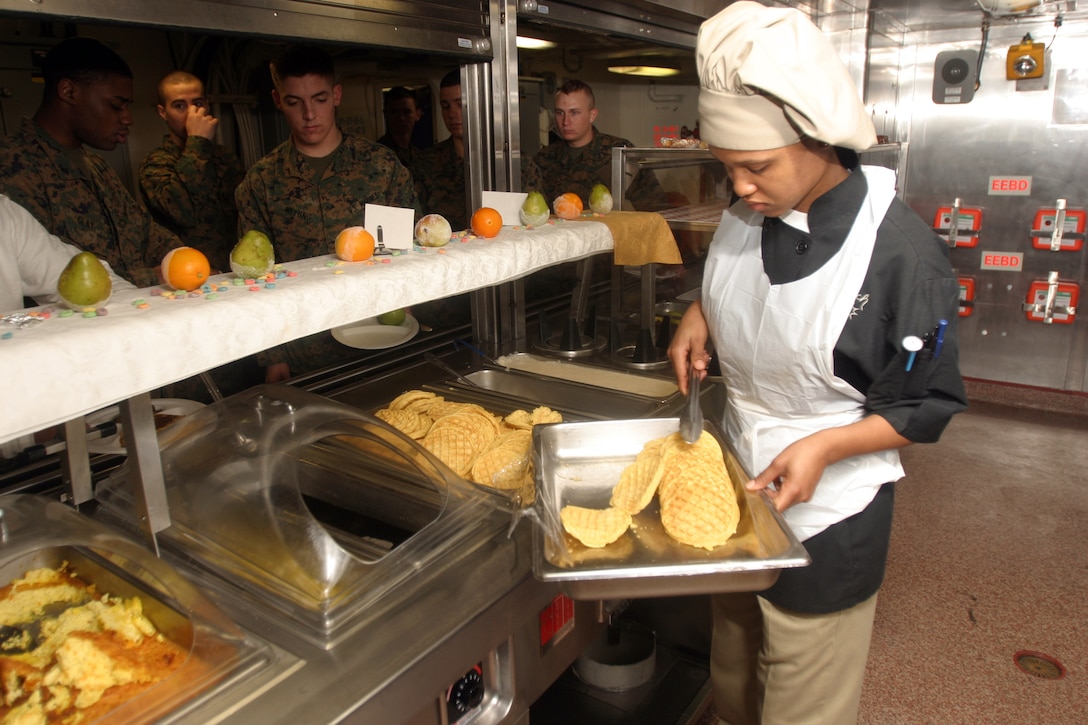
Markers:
{"x": 505, "y": 464}
{"x": 699, "y": 507}
{"x": 594, "y": 527}
{"x": 452, "y": 447}
{"x": 638, "y": 482}
{"x": 521, "y": 419}
{"x": 544, "y": 414}
{"x": 418, "y": 400}
{"x": 410, "y": 423}
{"x": 679, "y": 455}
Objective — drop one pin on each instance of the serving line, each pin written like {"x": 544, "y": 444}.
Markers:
{"x": 67, "y": 367}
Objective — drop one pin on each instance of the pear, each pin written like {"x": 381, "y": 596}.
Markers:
{"x": 252, "y": 256}
{"x": 433, "y": 230}
{"x": 393, "y": 317}
{"x": 534, "y": 210}
{"x": 600, "y": 199}
{"x": 84, "y": 282}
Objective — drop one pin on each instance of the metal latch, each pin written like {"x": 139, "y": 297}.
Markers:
{"x": 1047, "y": 308}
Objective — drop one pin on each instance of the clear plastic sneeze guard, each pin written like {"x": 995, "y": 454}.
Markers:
{"x": 580, "y": 463}
{"x": 309, "y": 506}
{"x": 38, "y": 533}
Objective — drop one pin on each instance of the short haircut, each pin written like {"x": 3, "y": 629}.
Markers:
{"x": 81, "y": 60}
{"x": 176, "y": 78}
{"x": 453, "y": 78}
{"x": 399, "y": 93}
{"x": 573, "y": 86}
{"x": 296, "y": 61}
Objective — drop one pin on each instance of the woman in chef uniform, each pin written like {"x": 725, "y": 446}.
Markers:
{"x": 814, "y": 278}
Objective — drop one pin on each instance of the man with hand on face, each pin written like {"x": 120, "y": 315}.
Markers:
{"x": 401, "y": 114}
{"x": 582, "y": 157}
{"x": 313, "y": 186}
{"x": 188, "y": 182}
{"x": 74, "y": 194}
{"x": 813, "y": 279}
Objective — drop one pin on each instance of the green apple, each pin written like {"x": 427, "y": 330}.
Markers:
{"x": 84, "y": 282}
{"x": 600, "y": 199}
{"x": 534, "y": 210}
{"x": 433, "y": 230}
{"x": 252, "y": 256}
{"x": 393, "y": 317}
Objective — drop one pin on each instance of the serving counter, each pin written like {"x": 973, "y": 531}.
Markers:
{"x": 66, "y": 367}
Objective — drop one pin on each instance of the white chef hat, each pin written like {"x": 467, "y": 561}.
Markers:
{"x": 768, "y": 77}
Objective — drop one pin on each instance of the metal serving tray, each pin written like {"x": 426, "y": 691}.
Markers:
{"x": 579, "y": 463}
{"x": 35, "y": 533}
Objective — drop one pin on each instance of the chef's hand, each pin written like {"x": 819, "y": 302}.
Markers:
{"x": 198, "y": 122}
{"x": 797, "y": 469}
{"x": 277, "y": 373}
{"x": 689, "y": 344}
{"x": 794, "y": 472}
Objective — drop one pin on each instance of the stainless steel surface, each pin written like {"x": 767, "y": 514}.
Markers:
{"x": 1004, "y": 131}
{"x": 586, "y": 401}
{"x": 691, "y": 415}
{"x": 76, "y": 462}
{"x": 580, "y": 463}
{"x": 455, "y": 27}
{"x": 446, "y": 368}
{"x": 149, "y": 491}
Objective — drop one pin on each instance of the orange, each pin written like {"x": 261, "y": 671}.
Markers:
{"x": 354, "y": 244}
{"x": 568, "y": 206}
{"x": 486, "y": 222}
{"x": 185, "y": 268}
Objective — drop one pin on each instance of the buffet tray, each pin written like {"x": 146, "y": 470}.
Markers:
{"x": 38, "y": 533}
{"x": 579, "y": 463}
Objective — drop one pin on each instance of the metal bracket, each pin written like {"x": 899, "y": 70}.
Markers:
{"x": 148, "y": 486}
{"x": 1047, "y": 308}
{"x": 76, "y": 462}
{"x": 1059, "y": 229}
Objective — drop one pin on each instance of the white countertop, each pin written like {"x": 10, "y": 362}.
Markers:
{"x": 66, "y": 367}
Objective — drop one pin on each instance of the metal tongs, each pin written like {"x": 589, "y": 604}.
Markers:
{"x": 691, "y": 415}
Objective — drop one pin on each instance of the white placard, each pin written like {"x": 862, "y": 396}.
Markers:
{"x": 506, "y": 203}
{"x": 397, "y": 223}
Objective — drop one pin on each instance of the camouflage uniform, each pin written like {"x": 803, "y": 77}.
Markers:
{"x": 577, "y": 170}
{"x": 302, "y": 215}
{"x": 407, "y": 156}
{"x": 79, "y": 198}
{"x": 439, "y": 174}
{"x": 190, "y": 191}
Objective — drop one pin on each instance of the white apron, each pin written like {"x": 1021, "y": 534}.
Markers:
{"x": 775, "y": 346}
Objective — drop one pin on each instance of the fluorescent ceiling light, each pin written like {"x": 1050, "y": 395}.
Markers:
{"x": 528, "y": 43}
{"x": 653, "y": 71}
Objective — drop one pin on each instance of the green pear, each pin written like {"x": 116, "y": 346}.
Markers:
{"x": 534, "y": 210}
{"x": 600, "y": 199}
{"x": 84, "y": 282}
{"x": 252, "y": 256}
{"x": 393, "y": 317}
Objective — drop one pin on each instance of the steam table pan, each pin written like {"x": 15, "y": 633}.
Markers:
{"x": 579, "y": 463}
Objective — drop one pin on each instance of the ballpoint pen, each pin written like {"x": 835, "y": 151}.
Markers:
{"x": 940, "y": 338}
{"x": 912, "y": 344}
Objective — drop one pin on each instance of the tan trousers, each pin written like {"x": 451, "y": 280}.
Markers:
{"x": 770, "y": 666}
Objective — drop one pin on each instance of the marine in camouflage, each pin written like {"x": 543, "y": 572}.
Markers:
{"x": 79, "y": 198}
{"x": 577, "y": 170}
{"x": 283, "y": 197}
{"x": 439, "y": 175}
{"x": 190, "y": 191}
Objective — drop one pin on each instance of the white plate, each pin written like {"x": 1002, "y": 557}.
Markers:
{"x": 112, "y": 444}
{"x": 369, "y": 334}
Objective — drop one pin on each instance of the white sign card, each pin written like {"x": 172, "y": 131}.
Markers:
{"x": 506, "y": 203}
{"x": 397, "y": 223}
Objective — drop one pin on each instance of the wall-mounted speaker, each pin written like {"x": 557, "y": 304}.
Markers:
{"x": 954, "y": 76}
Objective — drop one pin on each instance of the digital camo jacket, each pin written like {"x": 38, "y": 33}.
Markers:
{"x": 78, "y": 197}
{"x": 190, "y": 191}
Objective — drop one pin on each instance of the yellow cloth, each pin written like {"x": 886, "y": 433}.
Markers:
{"x": 640, "y": 237}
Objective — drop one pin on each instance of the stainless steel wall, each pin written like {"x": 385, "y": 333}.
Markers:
{"x": 1035, "y": 129}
